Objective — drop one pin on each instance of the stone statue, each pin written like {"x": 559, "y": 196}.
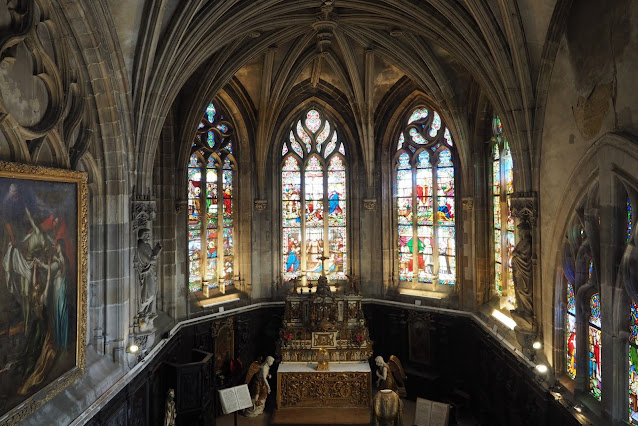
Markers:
{"x": 354, "y": 285}
{"x": 170, "y": 413}
{"x": 391, "y": 375}
{"x": 387, "y": 409}
{"x": 145, "y": 263}
{"x": 257, "y": 380}
{"x": 522, "y": 276}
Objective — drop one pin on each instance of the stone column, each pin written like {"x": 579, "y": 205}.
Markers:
{"x": 467, "y": 277}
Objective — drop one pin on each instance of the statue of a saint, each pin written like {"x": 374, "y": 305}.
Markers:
{"x": 145, "y": 262}
{"x": 257, "y": 380}
{"x": 522, "y": 275}
{"x": 170, "y": 413}
{"x": 391, "y": 375}
{"x": 354, "y": 284}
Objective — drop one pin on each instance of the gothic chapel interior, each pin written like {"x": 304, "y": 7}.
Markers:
{"x": 174, "y": 172}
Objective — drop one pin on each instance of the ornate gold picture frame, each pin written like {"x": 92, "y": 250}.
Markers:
{"x": 43, "y": 279}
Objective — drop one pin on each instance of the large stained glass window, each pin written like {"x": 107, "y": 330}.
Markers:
{"x": 502, "y": 188}
{"x": 629, "y": 219}
{"x": 313, "y": 197}
{"x": 595, "y": 343}
{"x": 425, "y": 202}
{"x": 211, "y": 204}
{"x": 570, "y": 331}
{"x": 633, "y": 365}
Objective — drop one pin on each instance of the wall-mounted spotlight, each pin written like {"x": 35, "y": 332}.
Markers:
{"x": 537, "y": 344}
{"x": 132, "y": 348}
{"x": 542, "y": 368}
{"x": 578, "y": 408}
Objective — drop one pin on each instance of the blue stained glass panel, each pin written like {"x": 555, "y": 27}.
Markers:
{"x": 436, "y": 125}
{"x": 210, "y": 112}
{"x": 418, "y": 114}
{"x": 594, "y": 317}
{"x": 416, "y": 137}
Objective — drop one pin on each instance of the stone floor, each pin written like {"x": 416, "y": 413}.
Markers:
{"x": 264, "y": 420}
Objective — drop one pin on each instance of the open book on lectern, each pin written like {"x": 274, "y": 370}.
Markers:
{"x": 235, "y": 399}
{"x": 431, "y": 413}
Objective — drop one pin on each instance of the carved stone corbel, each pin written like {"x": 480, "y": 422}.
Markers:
{"x": 370, "y": 204}
{"x": 143, "y": 211}
{"x": 468, "y": 203}
{"x": 180, "y": 206}
{"x": 260, "y": 205}
{"x": 523, "y": 206}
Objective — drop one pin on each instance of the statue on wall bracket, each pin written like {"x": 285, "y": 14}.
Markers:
{"x": 145, "y": 264}
{"x": 523, "y": 207}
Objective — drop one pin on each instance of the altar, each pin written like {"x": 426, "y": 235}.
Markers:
{"x": 324, "y": 346}
{"x": 345, "y": 384}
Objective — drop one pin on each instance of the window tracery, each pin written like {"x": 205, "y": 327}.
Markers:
{"x": 314, "y": 200}
{"x": 211, "y": 228}
{"x": 425, "y": 201}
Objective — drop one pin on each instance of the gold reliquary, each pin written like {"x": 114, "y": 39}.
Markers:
{"x": 323, "y": 360}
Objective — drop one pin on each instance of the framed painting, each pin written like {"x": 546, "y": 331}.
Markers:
{"x": 43, "y": 253}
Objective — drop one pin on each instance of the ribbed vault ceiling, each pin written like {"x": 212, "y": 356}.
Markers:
{"x": 359, "y": 47}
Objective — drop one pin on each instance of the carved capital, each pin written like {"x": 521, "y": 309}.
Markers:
{"x": 370, "y": 204}
{"x": 524, "y": 207}
{"x": 468, "y": 203}
{"x": 180, "y": 206}
{"x": 260, "y": 205}
{"x": 143, "y": 210}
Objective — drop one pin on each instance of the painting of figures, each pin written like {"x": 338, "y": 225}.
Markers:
{"x": 42, "y": 284}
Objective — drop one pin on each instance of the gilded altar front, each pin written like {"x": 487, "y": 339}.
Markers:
{"x": 344, "y": 385}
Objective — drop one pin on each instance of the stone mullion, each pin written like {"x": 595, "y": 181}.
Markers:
{"x": 435, "y": 225}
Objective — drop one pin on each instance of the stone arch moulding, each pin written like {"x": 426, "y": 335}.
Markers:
{"x": 609, "y": 158}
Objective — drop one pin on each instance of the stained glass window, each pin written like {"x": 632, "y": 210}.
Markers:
{"x": 313, "y": 188}
{"x": 633, "y": 365}
{"x": 502, "y": 188}
{"x": 425, "y": 201}
{"x": 595, "y": 343}
{"x": 211, "y": 204}
{"x": 629, "y": 218}
{"x": 570, "y": 331}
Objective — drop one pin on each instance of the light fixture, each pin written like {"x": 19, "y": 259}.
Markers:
{"x": 504, "y": 319}
{"x": 542, "y": 368}
{"x": 132, "y": 348}
{"x": 537, "y": 344}
{"x": 578, "y": 408}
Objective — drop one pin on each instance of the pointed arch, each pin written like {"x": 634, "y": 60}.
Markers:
{"x": 424, "y": 194}
{"x": 314, "y": 194}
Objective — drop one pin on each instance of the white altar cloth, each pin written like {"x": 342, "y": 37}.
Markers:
{"x": 334, "y": 367}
